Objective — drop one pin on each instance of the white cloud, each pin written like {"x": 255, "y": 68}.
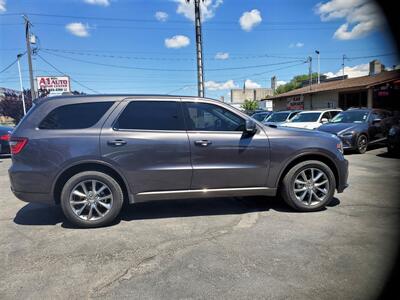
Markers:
{"x": 249, "y": 19}
{"x": 251, "y": 84}
{"x": 222, "y": 55}
{"x": 161, "y": 16}
{"x": 207, "y": 8}
{"x": 280, "y": 82}
{"x": 361, "y": 17}
{"x": 355, "y": 71}
{"x": 98, "y": 2}
{"x": 78, "y": 29}
{"x": 177, "y": 41}
{"x": 214, "y": 86}
{"x": 296, "y": 45}
{"x": 3, "y": 6}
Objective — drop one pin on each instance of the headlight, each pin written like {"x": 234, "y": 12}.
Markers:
{"x": 349, "y": 133}
{"x": 339, "y": 146}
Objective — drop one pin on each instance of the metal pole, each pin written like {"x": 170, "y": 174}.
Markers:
{"x": 20, "y": 82}
{"x": 318, "y": 66}
{"x": 199, "y": 47}
{"x": 343, "y": 58}
{"x": 28, "y": 51}
{"x": 310, "y": 69}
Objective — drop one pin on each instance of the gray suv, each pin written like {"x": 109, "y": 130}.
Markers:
{"x": 92, "y": 153}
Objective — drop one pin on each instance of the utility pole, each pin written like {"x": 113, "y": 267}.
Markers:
{"x": 310, "y": 69}
{"x": 29, "y": 52}
{"x": 20, "y": 82}
{"x": 343, "y": 58}
{"x": 199, "y": 48}
{"x": 318, "y": 66}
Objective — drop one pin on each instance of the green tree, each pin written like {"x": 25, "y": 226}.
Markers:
{"x": 295, "y": 83}
{"x": 250, "y": 105}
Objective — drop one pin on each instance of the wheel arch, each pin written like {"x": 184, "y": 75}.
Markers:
{"x": 70, "y": 171}
{"x": 310, "y": 156}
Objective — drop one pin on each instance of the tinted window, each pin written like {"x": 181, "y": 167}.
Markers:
{"x": 75, "y": 116}
{"x": 151, "y": 115}
{"x": 326, "y": 115}
{"x": 351, "y": 116}
{"x": 334, "y": 113}
{"x": 209, "y": 117}
{"x": 306, "y": 117}
{"x": 278, "y": 117}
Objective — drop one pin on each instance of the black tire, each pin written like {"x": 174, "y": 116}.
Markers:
{"x": 113, "y": 187}
{"x": 287, "y": 186}
{"x": 361, "y": 144}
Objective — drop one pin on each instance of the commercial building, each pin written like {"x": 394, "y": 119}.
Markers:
{"x": 238, "y": 96}
{"x": 379, "y": 89}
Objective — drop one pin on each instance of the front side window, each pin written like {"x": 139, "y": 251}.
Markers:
{"x": 210, "y": 117}
{"x": 151, "y": 115}
{"x": 326, "y": 115}
{"x": 75, "y": 116}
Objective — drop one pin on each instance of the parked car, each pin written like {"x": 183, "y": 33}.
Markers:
{"x": 393, "y": 138}
{"x": 261, "y": 116}
{"x": 280, "y": 117}
{"x": 92, "y": 153}
{"x": 5, "y": 132}
{"x": 358, "y": 128}
{"x": 312, "y": 119}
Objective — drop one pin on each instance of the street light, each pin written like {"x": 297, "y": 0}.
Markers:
{"x": 20, "y": 82}
{"x": 318, "y": 66}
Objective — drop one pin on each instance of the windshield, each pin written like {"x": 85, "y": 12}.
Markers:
{"x": 306, "y": 117}
{"x": 278, "y": 117}
{"x": 351, "y": 117}
{"x": 260, "y": 116}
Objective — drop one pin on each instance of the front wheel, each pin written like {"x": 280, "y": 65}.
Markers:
{"x": 91, "y": 199}
{"x": 308, "y": 186}
{"x": 361, "y": 144}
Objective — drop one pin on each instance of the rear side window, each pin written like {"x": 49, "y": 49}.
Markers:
{"x": 75, "y": 116}
{"x": 151, "y": 115}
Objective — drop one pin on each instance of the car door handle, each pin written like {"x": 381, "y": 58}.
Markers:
{"x": 202, "y": 143}
{"x": 117, "y": 143}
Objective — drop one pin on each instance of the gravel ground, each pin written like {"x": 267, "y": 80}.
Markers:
{"x": 241, "y": 248}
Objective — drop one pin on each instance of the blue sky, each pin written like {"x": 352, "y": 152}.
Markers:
{"x": 143, "y": 46}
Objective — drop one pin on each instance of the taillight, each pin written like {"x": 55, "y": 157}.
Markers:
{"x": 5, "y": 137}
{"x": 17, "y": 144}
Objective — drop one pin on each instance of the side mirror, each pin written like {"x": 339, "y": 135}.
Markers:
{"x": 324, "y": 120}
{"x": 376, "y": 121}
{"x": 250, "y": 126}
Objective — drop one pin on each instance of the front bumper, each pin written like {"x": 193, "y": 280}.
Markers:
{"x": 349, "y": 142}
{"x": 343, "y": 175}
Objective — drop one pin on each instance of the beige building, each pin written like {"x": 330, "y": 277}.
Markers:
{"x": 381, "y": 89}
{"x": 239, "y": 95}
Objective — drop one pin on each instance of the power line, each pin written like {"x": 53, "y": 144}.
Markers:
{"x": 171, "y": 70}
{"x": 59, "y": 71}
{"x": 9, "y": 66}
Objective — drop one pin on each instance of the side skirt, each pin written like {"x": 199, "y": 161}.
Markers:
{"x": 203, "y": 193}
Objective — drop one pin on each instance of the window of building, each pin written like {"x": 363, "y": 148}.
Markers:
{"x": 151, "y": 115}
{"x": 75, "y": 116}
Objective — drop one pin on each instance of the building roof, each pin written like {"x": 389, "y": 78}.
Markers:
{"x": 363, "y": 82}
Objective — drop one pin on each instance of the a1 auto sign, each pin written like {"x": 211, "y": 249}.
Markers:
{"x": 295, "y": 102}
{"x": 53, "y": 85}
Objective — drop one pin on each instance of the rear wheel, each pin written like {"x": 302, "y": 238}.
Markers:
{"x": 308, "y": 186}
{"x": 361, "y": 144}
{"x": 91, "y": 199}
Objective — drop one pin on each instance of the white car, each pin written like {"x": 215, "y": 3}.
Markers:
{"x": 312, "y": 119}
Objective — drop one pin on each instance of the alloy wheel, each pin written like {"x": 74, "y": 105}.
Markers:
{"x": 91, "y": 200}
{"x": 311, "y": 186}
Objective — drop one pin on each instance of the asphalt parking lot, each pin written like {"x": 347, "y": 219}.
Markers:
{"x": 242, "y": 248}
